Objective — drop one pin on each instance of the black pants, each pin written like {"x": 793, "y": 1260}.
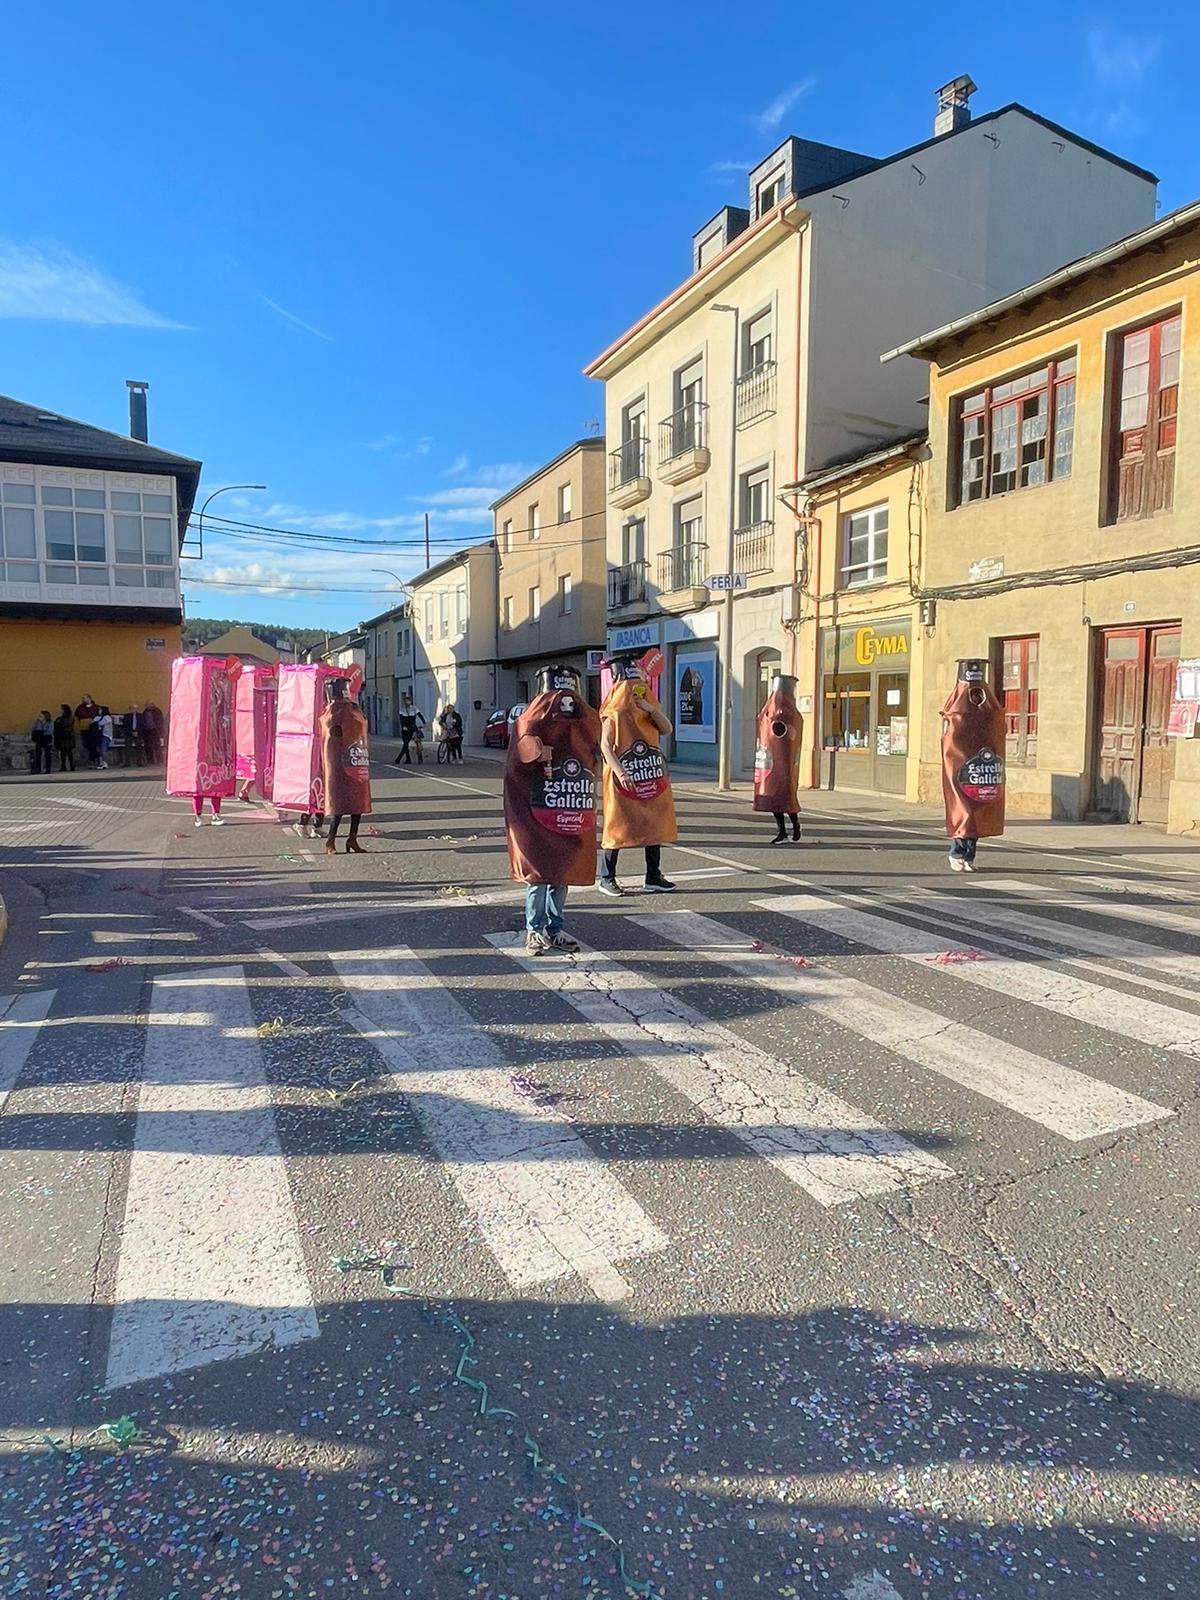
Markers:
{"x": 793, "y": 817}
{"x": 41, "y": 753}
{"x": 653, "y": 863}
{"x": 66, "y": 757}
{"x": 336, "y": 822}
{"x": 455, "y": 743}
{"x": 963, "y": 849}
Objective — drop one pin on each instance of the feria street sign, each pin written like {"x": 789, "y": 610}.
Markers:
{"x": 723, "y": 582}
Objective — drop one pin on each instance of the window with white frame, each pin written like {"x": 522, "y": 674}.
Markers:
{"x": 756, "y": 341}
{"x": 564, "y": 503}
{"x": 565, "y": 595}
{"x": 633, "y": 540}
{"x": 689, "y": 522}
{"x": 770, "y": 193}
{"x": 429, "y": 620}
{"x": 73, "y": 520}
{"x": 754, "y": 497}
{"x": 535, "y": 603}
{"x": 142, "y": 534}
{"x": 507, "y": 537}
{"x": 535, "y": 522}
{"x": 460, "y": 609}
{"x": 508, "y": 612}
{"x": 865, "y": 547}
{"x": 18, "y": 534}
{"x": 444, "y": 614}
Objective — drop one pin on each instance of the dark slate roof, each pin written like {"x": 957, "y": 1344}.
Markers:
{"x": 31, "y": 433}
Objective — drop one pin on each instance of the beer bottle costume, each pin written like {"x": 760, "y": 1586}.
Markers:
{"x": 550, "y": 804}
{"x": 346, "y": 766}
{"x": 642, "y": 814}
{"x": 777, "y": 758}
{"x": 973, "y": 737}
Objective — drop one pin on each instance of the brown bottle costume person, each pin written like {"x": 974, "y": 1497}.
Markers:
{"x": 777, "y": 758}
{"x": 347, "y": 766}
{"x": 638, "y": 806}
{"x": 550, "y": 803}
{"x": 973, "y": 735}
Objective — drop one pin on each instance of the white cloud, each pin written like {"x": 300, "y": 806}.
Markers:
{"x": 1121, "y": 60}
{"x": 728, "y": 171}
{"x": 292, "y": 318}
{"x": 465, "y": 495}
{"x": 772, "y": 115}
{"x": 52, "y": 285}
{"x": 457, "y": 466}
{"x": 385, "y": 442}
{"x": 502, "y": 474}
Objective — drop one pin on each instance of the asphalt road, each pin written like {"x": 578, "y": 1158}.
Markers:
{"x": 828, "y": 1228}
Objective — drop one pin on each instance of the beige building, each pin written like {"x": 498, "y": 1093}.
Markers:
{"x": 453, "y": 608}
{"x": 762, "y": 368}
{"x": 854, "y": 648}
{"x": 550, "y": 533}
{"x": 1063, "y": 507}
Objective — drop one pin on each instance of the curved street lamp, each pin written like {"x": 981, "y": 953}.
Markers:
{"x": 224, "y": 489}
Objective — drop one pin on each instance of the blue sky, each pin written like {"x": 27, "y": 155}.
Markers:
{"x": 361, "y": 252}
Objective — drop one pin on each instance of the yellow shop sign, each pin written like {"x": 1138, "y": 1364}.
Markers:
{"x": 869, "y": 645}
{"x": 885, "y": 644}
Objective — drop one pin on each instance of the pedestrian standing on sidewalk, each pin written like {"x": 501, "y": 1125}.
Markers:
{"x": 131, "y": 737}
{"x": 347, "y": 766}
{"x": 152, "y": 733}
{"x": 638, "y": 805}
{"x": 86, "y": 714}
{"x": 777, "y": 759}
{"x": 104, "y": 737}
{"x": 550, "y": 804}
{"x": 64, "y": 738}
{"x": 973, "y": 737}
{"x": 42, "y": 735}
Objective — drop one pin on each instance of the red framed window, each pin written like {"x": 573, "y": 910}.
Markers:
{"x": 1144, "y": 412}
{"x": 1018, "y": 676}
{"x": 1017, "y": 434}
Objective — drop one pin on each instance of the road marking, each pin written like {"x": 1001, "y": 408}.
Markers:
{"x": 1067, "y": 1102}
{"x": 870, "y": 1586}
{"x": 305, "y": 914}
{"x": 86, "y": 805}
{"x": 210, "y": 1265}
{"x": 1112, "y": 906}
{"x": 545, "y": 1204}
{"x": 1066, "y": 936}
{"x": 819, "y": 1142}
{"x": 1035, "y": 983}
{"x": 406, "y": 772}
{"x": 201, "y": 916}
{"x": 21, "y": 1019}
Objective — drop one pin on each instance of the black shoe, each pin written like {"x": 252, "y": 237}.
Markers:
{"x": 611, "y": 887}
{"x": 780, "y": 838}
{"x": 659, "y": 885}
{"x": 795, "y": 835}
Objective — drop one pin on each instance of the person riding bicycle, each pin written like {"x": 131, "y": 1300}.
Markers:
{"x": 450, "y": 729}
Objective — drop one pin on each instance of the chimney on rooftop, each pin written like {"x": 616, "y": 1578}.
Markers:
{"x": 137, "y": 410}
{"x": 953, "y": 112}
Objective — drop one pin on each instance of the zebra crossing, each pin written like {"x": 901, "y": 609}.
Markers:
{"x": 211, "y": 1262}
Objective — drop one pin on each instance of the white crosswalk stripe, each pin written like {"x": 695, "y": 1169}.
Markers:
{"x": 1067, "y": 937}
{"x": 544, "y": 1203}
{"x": 1059, "y": 1098}
{"x": 828, "y": 1148}
{"x": 1034, "y": 983}
{"x": 21, "y": 1018}
{"x": 1111, "y": 902}
{"x": 210, "y": 1265}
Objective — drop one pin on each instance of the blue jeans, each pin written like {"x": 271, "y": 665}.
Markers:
{"x": 544, "y": 904}
{"x": 963, "y": 849}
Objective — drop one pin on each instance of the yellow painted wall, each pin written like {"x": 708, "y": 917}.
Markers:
{"x": 43, "y": 664}
{"x": 1064, "y": 523}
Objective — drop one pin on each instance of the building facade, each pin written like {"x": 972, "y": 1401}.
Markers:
{"x": 550, "y": 542}
{"x": 763, "y": 368}
{"x": 91, "y": 525}
{"x": 854, "y": 647}
{"x": 454, "y": 623}
{"x": 1063, "y": 507}
{"x": 388, "y": 668}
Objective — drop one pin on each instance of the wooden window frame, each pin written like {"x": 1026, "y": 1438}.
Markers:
{"x": 1114, "y": 453}
{"x": 1021, "y": 713}
{"x": 987, "y": 403}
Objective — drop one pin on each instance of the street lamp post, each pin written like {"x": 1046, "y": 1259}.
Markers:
{"x": 225, "y": 489}
{"x": 725, "y": 735}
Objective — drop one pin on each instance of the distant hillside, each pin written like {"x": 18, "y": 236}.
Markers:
{"x": 199, "y": 631}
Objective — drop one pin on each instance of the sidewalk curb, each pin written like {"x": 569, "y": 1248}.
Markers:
{"x": 3, "y": 919}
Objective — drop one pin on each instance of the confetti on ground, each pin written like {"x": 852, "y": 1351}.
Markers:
{"x": 951, "y": 958}
{"x": 110, "y": 965}
{"x": 270, "y": 1030}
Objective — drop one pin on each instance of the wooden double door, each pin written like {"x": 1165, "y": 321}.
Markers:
{"x": 1135, "y": 683}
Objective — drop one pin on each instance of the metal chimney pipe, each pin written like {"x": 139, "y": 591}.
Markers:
{"x": 137, "y": 410}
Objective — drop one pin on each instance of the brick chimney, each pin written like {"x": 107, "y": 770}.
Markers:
{"x": 137, "y": 410}
{"x": 953, "y": 111}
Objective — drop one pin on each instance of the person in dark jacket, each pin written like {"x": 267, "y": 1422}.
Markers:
{"x": 43, "y": 741}
{"x": 64, "y": 739}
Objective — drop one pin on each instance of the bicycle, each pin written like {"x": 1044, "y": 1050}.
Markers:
{"x": 443, "y": 755}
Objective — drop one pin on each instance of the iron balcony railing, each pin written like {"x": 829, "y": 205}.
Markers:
{"x": 756, "y": 394}
{"x": 627, "y": 584}
{"x": 754, "y": 548}
{"x": 628, "y": 461}
{"x": 684, "y": 567}
{"x": 684, "y": 430}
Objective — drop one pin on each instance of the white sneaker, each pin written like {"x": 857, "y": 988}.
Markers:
{"x": 313, "y": 831}
{"x": 536, "y": 944}
{"x": 298, "y": 829}
{"x": 218, "y": 822}
{"x": 957, "y": 864}
{"x": 199, "y": 822}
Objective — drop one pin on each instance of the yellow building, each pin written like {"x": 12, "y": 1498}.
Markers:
{"x": 1063, "y": 527}
{"x": 91, "y": 524}
{"x": 853, "y": 644}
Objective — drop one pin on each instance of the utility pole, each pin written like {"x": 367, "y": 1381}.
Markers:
{"x": 427, "y": 542}
{"x": 725, "y": 664}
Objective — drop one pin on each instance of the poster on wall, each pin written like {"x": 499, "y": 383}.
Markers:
{"x": 696, "y": 698}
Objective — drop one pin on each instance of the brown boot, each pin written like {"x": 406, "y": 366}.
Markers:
{"x": 353, "y": 845}
{"x": 330, "y": 847}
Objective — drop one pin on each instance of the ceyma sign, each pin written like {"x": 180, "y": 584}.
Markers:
{"x": 884, "y": 645}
